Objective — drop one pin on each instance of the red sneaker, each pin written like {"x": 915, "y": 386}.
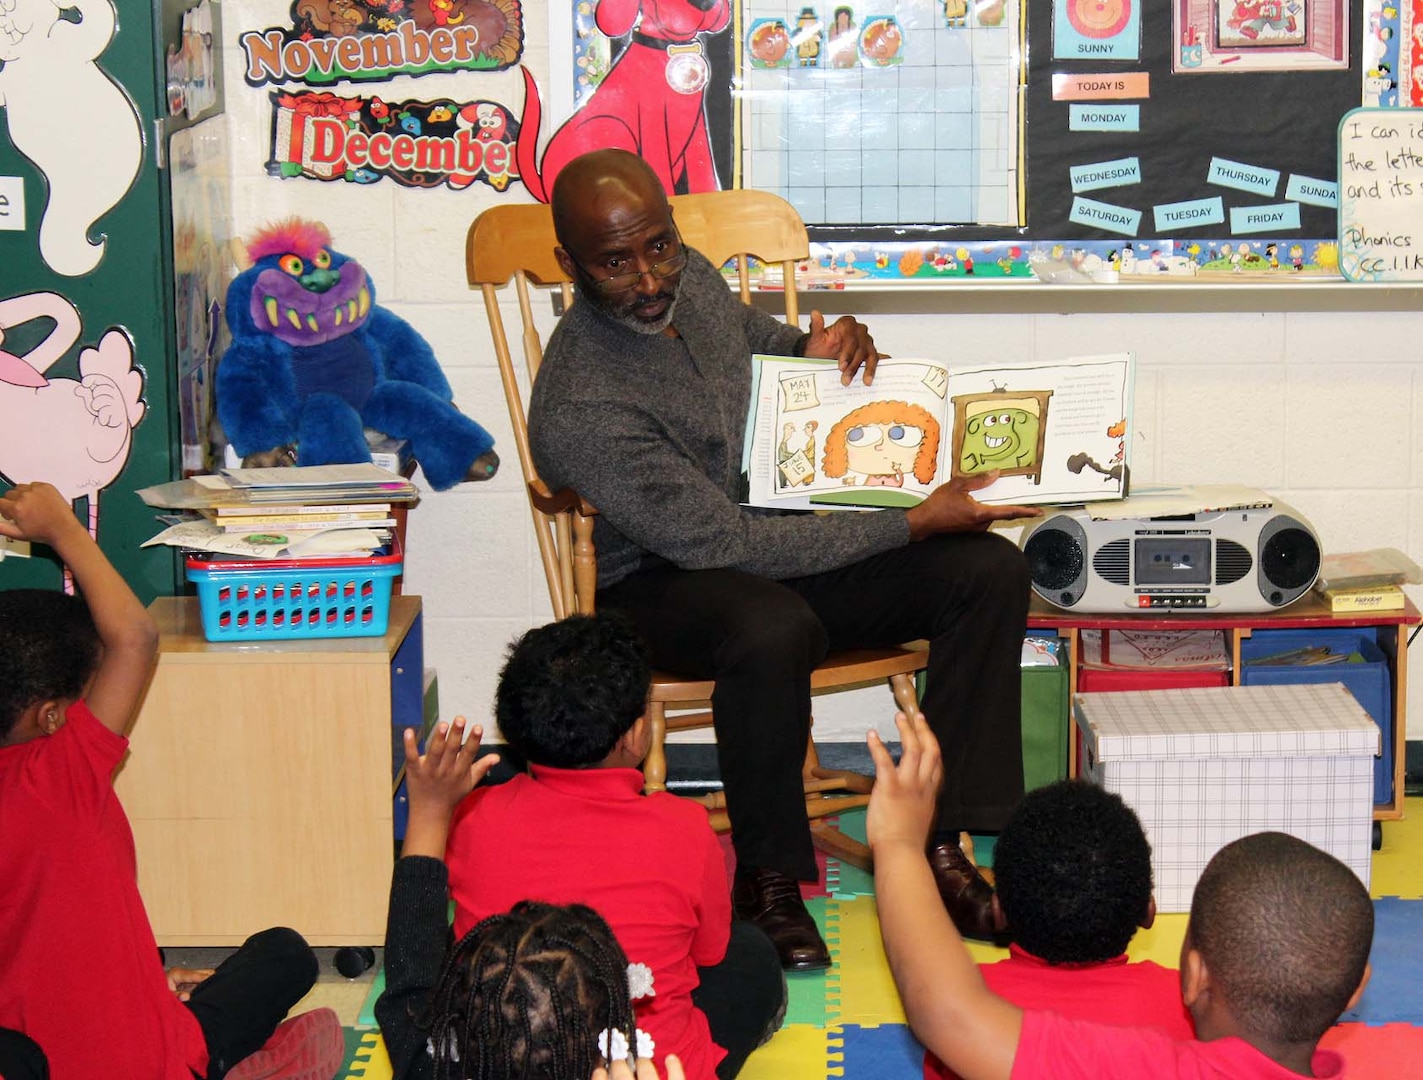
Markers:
{"x": 306, "y": 1047}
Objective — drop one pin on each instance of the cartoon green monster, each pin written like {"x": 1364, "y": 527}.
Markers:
{"x": 1006, "y": 438}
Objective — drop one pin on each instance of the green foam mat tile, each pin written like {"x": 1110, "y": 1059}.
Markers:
{"x": 850, "y": 881}
{"x": 805, "y": 994}
{"x": 367, "y": 1016}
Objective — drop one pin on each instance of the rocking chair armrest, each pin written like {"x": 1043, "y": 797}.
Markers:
{"x": 557, "y": 502}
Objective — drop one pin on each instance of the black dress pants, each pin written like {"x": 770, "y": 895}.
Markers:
{"x": 743, "y": 997}
{"x": 242, "y": 1002}
{"x": 967, "y": 593}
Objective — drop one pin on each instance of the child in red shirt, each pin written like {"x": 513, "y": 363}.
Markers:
{"x": 1073, "y": 875}
{"x": 577, "y": 829}
{"x": 538, "y": 990}
{"x": 80, "y": 973}
{"x": 1276, "y": 948}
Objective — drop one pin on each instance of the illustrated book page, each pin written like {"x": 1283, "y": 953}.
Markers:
{"x": 1057, "y": 432}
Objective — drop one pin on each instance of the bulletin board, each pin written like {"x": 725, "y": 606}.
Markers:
{"x": 1178, "y": 135}
{"x": 1195, "y": 129}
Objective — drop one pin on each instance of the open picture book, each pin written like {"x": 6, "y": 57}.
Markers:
{"x": 1058, "y": 432}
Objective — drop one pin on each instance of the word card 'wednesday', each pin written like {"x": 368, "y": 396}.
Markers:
{"x": 1381, "y": 195}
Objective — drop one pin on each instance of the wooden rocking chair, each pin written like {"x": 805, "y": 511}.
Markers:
{"x": 517, "y": 241}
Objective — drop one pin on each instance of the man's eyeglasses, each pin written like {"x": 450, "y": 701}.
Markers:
{"x": 617, "y": 283}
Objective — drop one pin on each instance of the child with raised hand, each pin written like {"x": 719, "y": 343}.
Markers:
{"x": 539, "y": 990}
{"x": 80, "y": 973}
{"x": 1276, "y": 949}
{"x": 1072, "y": 871}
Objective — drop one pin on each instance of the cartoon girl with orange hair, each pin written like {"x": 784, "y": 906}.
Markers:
{"x": 880, "y": 442}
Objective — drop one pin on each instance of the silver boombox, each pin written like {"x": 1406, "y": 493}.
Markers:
{"x": 1224, "y": 561}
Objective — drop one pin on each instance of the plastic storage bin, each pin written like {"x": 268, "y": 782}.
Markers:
{"x": 1368, "y": 681}
{"x": 1096, "y": 680}
{"x": 1204, "y": 766}
{"x": 289, "y": 599}
{"x": 1045, "y": 713}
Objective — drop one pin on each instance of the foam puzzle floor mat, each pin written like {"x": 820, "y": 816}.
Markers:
{"x": 847, "y": 1022}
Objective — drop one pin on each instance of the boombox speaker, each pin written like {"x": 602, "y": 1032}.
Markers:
{"x": 1226, "y": 561}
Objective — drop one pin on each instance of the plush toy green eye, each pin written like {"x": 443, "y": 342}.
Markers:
{"x": 291, "y": 264}
{"x": 322, "y": 260}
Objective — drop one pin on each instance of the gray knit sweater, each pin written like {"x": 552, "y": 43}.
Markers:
{"x": 649, "y": 430}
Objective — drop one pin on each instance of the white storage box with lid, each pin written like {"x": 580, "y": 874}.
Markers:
{"x": 1204, "y": 766}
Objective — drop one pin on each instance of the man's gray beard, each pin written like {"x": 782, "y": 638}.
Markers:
{"x": 630, "y": 321}
{"x": 642, "y": 326}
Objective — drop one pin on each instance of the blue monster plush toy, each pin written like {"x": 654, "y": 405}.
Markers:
{"x": 314, "y": 361}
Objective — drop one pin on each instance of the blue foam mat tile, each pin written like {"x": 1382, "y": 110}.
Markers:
{"x": 881, "y": 1053}
{"x": 1395, "y": 991}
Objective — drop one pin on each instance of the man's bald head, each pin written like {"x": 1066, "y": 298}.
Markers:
{"x": 594, "y": 187}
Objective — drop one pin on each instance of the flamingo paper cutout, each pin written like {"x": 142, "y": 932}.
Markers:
{"x": 74, "y": 434}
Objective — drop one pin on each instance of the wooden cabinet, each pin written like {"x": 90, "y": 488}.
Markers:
{"x": 259, "y": 782}
{"x": 1307, "y": 613}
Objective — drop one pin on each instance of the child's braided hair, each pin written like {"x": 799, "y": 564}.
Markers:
{"x": 525, "y": 996}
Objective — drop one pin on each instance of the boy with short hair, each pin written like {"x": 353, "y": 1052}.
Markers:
{"x": 578, "y": 829}
{"x": 1276, "y": 949}
{"x": 1073, "y": 875}
{"x": 80, "y": 973}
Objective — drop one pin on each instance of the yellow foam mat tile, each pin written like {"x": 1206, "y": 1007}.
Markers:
{"x": 984, "y": 953}
{"x": 796, "y": 1052}
{"x": 371, "y": 1062}
{"x": 1161, "y": 942}
{"x": 867, "y": 994}
{"x": 1398, "y": 869}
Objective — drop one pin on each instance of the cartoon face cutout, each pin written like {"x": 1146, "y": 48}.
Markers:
{"x": 770, "y": 42}
{"x": 882, "y": 442}
{"x": 1002, "y": 438}
{"x": 1099, "y": 18}
{"x": 492, "y": 122}
{"x": 882, "y": 449}
{"x": 881, "y": 40}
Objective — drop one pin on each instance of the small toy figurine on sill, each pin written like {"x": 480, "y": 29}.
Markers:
{"x": 314, "y": 361}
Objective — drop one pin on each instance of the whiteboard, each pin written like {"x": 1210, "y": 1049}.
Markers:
{"x": 1381, "y": 195}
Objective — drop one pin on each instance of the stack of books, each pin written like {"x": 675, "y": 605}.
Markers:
{"x": 300, "y": 526}
{"x": 328, "y": 511}
{"x": 393, "y": 455}
{"x": 1366, "y": 580}
{"x": 312, "y": 484}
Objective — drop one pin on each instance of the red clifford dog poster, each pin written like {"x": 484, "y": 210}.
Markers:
{"x": 664, "y": 94}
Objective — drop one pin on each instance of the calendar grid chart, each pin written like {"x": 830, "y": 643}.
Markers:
{"x": 849, "y": 132}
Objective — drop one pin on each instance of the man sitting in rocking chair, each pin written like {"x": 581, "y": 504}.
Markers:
{"x": 639, "y": 406}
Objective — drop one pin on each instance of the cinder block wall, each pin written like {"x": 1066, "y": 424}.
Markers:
{"x": 1322, "y": 410}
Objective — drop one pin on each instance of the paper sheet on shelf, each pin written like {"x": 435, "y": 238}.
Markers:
{"x": 327, "y": 543}
{"x": 1166, "y": 500}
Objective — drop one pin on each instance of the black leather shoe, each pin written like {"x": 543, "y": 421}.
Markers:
{"x": 772, "y": 901}
{"x": 967, "y": 897}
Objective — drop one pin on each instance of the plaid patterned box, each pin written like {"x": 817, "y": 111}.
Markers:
{"x": 1204, "y": 766}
